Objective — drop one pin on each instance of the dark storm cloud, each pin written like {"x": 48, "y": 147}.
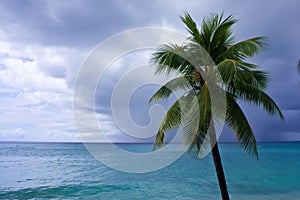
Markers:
{"x": 71, "y": 23}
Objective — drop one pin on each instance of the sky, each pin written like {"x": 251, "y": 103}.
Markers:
{"x": 43, "y": 45}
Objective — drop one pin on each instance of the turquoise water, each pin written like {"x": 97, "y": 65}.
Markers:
{"x": 68, "y": 171}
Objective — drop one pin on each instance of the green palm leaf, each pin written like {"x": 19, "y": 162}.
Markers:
{"x": 221, "y": 38}
{"x": 196, "y": 122}
{"x": 237, "y": 121}
{"x": 252, "y": 94}
{"x": 171, "y": 120}
{"x": 231, "y": 69}
{"x": 179, "y": 83}
{"x": 169, "y": 59}
{"x": 243, "y": 49}
{"x": 192, "y": 28}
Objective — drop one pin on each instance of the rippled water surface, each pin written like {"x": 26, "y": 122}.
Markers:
{"x": 67, "y": 171}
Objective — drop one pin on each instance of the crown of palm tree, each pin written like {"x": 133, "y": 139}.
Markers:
{"x": 241, "y": 81}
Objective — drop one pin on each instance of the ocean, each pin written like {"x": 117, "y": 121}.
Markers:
{"x": 69, "y": 171}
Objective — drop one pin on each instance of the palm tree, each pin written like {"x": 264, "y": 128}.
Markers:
{"x": 241, "y": 81}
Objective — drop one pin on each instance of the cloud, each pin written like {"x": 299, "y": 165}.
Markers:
{"x": 43, "y": 47}
{"x": 59, "y": 135}
{"x": 76, "y": 24}
{"x": 9, "y": 134}
{"x": 31, "y": 95}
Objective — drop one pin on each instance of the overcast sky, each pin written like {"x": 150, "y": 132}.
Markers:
{"x": 44, "y": 43}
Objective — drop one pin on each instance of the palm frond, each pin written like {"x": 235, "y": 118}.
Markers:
{"x": 192, "y": 28}
{"x": 227, "y": 69}
{"x": 159, "y": 140}
{"x": 179, "y": 83}
{"x": 169, "y": 59}
{"x": 243, "y": 49}
{"x": 222, "y": 38}
{"x": 238, "y": 122}
{"x": 256, "y": 78}
{"x": 209, "y": 24}
{"x": 252, "y": 94}
{"x": 232, "y": 69}
{"x": 191, "y": 134}
{"x": 171, "y": 120}
{"x": 196, "y": 122}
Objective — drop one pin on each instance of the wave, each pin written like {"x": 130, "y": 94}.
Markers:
{"x": 63, "y": 191}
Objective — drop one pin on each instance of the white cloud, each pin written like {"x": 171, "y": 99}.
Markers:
{"x": 33, "y": 94}
{"x": 59, "y": 135}
{"x": 7, "y": 134}
{"x": 25, "y": 75}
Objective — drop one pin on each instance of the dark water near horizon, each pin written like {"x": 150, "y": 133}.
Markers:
{"x": 68, "y": 171}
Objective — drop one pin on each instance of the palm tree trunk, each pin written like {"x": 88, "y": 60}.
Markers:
{"x": 220, "y": 172}
{"x": 218, "y": 164}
